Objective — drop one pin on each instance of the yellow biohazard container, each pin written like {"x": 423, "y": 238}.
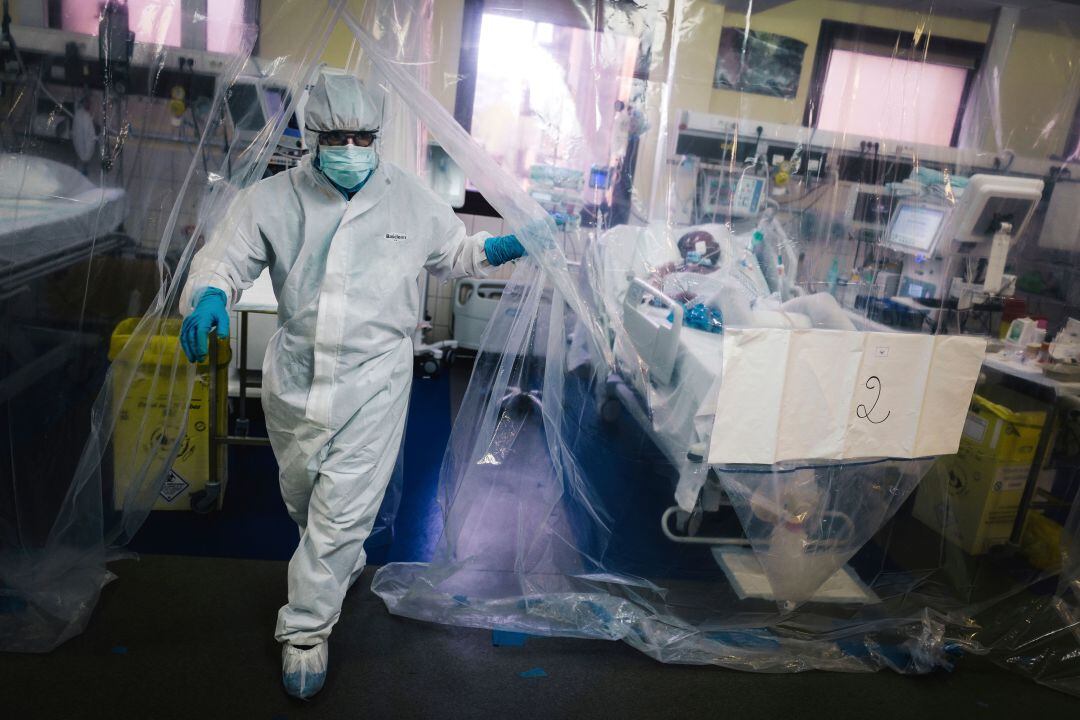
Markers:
{"x": 1041, "y": 541}
{"x": 149, "y": 392}
{"x": 972, "y": 497}
{"x": 1004, "y": 425}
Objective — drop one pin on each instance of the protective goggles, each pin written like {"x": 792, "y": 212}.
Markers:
{"x": 362, "y": 138}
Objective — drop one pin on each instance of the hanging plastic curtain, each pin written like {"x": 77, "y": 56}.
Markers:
{"x": 115, "y": 164}
{"x": 718, "y": 414}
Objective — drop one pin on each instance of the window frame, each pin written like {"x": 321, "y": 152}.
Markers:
{"x": 468, "y": 61}
{"x": 465, "y": 95}
{"x": 252, "y": 12}
{"x": 967, "y": 53}
{"x": 1072, "y": 138}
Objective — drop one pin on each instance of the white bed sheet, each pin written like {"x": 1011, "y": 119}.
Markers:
{"x": 682, "y": 411}
{"x": 47, "y": 207}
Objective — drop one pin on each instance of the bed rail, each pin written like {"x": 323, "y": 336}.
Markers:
{"x": 656, "y": 341}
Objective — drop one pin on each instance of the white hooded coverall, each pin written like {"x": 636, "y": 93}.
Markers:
{"x": 337, "y": 372}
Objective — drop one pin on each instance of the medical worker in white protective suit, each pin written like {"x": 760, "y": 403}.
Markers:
{"x": 345, "y": 237}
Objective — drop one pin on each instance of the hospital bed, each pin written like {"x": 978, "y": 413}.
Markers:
{"x": 667, "y": 374}
{"x": 51, "y": 217}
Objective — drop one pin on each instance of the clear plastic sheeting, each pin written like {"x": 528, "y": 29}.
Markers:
{"x": 803, "y": 166}
{"x": 115, "y": 163}
{"x": 676, "y": 171}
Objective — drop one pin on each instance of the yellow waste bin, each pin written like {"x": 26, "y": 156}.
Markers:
{"x": 974, "y": 495}
{"x": 149, "y": 376}
{"x": 1041, "y": 541}
{"x": 1004, "y": 425}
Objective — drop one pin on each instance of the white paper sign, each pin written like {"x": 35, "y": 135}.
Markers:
{"x": 835, "y": 394}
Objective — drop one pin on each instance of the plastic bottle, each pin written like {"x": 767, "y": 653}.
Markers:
{"x": 749, "y": 258}
{"x": 834, "y": 275}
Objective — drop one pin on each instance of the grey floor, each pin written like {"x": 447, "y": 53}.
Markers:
{"x": 180, "y": 637}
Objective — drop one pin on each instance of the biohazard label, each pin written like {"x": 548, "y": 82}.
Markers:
{"x": 1011, "y": 478}
{"x": 975, "y": 428}
{"x": 174, "y": 486}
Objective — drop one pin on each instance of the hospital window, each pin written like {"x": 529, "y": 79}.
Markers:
{"x": 861, "y": 85}
{"x": 525, "y": 73}
{"x": 215, "y": 25}
{"x": 1072, "y": 140}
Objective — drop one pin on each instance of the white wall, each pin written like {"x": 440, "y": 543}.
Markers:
{"x": 440, "y": 295}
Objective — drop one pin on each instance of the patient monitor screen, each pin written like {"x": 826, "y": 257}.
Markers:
{"x": 1001, "y": 209}
{"x": 915, "y": 227}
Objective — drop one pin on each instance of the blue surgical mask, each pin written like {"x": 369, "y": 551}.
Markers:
{"x": 347, "y": 165}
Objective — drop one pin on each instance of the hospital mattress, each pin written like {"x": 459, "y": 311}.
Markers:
{"x": 47, "y": 208}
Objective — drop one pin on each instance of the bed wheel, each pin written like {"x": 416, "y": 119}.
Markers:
{"x": 205, "y": 501}
{"x": 519, "y": 403}
{"x": 689, "y": 523}
{"x": 694, "y": 524}
{"x": 610, "y": 410}
{"x": 426, "y": 366}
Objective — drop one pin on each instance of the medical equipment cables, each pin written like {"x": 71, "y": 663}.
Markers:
{"x": 39, "y": 86}
{"x": 191, "y": 109}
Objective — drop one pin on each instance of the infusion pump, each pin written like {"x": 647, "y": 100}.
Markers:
{"x": 725, "y": 193}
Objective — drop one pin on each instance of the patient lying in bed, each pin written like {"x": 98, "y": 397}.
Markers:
{"x": 727, "y": 273}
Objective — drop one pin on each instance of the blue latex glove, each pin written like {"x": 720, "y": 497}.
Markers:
{"x": 503, "y": 249}
{"x": 700, "y": 317}
{"x": 209, "y": 313}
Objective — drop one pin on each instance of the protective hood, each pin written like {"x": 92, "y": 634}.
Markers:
{"x": 339, "y": 102}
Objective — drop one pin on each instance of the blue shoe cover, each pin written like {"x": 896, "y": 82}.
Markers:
{"x": 303, "y": 672}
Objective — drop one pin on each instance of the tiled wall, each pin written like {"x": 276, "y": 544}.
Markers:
{"x": 153, "y": 178}
{"x": 440, "y": 294}
{"x": 151, "y": 166}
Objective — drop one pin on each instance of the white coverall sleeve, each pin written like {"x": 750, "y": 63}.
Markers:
{"x": 456, "y": 254}
{"x": 232, "y": 258}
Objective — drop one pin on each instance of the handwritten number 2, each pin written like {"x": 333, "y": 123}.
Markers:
{"x": 872, "y": 383}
